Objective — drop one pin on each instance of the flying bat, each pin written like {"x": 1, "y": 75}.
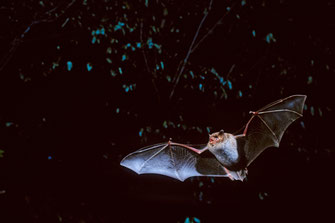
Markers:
{"x": 225, "y": 154}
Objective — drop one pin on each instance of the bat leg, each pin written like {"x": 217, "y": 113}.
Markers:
{"x": 228, "y": 173}
{"x": 199, "y": 151}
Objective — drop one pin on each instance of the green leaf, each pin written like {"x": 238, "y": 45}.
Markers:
{"x": 1, "y": 153}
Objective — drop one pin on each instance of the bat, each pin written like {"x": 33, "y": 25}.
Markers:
{"x": 225, "y": 154}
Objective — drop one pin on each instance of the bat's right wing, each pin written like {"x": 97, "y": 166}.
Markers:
{"x": 175, "y": 161}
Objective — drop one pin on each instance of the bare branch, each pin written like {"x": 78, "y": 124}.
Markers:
{"x": 63, "y": 11}
{"x": 176, "y": 81}
{"x": 146, "y": 63}
{"x": 210, "y": 31}
{"x": 230, "y": 70}
{"x": 19, "y": 39}
{"x": 4, "y": 61}
{"x": 143, "y": 51}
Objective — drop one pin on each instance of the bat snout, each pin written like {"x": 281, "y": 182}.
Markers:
{"x": 213, "y": 140}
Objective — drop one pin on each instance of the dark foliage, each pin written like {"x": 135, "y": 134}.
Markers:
{"x": 85, "y": 82}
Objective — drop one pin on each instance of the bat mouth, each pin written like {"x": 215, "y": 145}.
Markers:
{"x": 213, "y": 141}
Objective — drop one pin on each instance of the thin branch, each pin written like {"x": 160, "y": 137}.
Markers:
{"x": 63, "y": 11}
{"x": 146, "y": 62}
{"x": 4, "y": 61}
{"x": 143, "y": 52}
{"x": 190, "y": 48}
{"x": 18, "y": 40}
{"x": 230, "y": 70}
{"x": 210, "y": 31}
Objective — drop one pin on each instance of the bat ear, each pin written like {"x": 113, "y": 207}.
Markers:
{"x": 221, "y": 132}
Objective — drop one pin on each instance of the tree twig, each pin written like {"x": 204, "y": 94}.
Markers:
{"x": 19, "y": 39}
{"x": 230, "y": 70}
{"x": 143, "y": 52}
{"x": 176, "y": 81}
{"x": 146, "y": 62}
{"x": 210, "y": 31}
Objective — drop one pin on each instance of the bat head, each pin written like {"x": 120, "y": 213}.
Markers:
{"x": 216, "y": 137}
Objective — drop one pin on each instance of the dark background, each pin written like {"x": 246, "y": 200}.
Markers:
{"x": 84, "y": 83}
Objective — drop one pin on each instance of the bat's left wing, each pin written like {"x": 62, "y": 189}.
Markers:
{"x": 267, "y": 126}
{"x": 173, "y": 160}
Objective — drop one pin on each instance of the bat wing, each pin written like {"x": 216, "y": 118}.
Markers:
{"x": 174, "y": 161}
{"x": 267, "y": 125}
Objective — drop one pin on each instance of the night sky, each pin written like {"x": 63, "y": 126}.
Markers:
{"x": 83, "y": 83}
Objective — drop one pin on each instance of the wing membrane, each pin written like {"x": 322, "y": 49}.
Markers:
{"x": 267, "y": 125}
{"x": 174, "y": 161}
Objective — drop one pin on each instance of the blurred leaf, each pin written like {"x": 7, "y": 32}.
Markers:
{"x": 8, "y": 124}
{"x": 89, "y": 67}
{"x": 310, "y": 80}
{"x": 230, "y": 86}
{"x": 69, "y": 65}
{"x": 253, "y": 33}
{"x": 269, "y": 38}
{"x": 192, "y": 220}
{"x": 312, "y": 110}
{"x": 140, "y": 133}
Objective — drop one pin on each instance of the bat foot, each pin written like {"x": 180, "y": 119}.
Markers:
{"x": 228, "y": 174}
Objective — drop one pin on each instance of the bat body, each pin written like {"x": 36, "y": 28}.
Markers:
{"x": 225, "y": 154}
